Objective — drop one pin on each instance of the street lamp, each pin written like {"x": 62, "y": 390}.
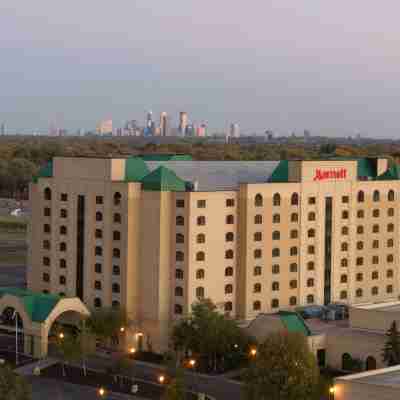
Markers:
{"x": 332, "y": 391}
{"x": 122, "y": 329}
{"x": 102, "y": 392}
{"x": 192, "y": 363}
{"x": 15, "y": 316}
{"x": 161, "y": 379}
{"x": 253, "y": 352}
{"x": 61, "y": 335}
{"x": 132, "y": 350}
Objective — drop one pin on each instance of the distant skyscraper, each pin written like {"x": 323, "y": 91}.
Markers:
{"x": 150, "y": 126}
{"x": 234, "y": 131}
{"x": 131, "y": 128}
{"x": 105, "y": 127}
{"x": 164, "y": 124}
{"x": 183, "y": 122}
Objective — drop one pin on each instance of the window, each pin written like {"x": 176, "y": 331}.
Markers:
{"x": 389, "y": 258}
{"x": 229, "y": 254}
{"x": 294, "y": 217}
{"x": 46, "y": 277}
{"x": 180, "y": 221}
{"x": 63, "y": 213}
{"x": 229, "y": 237}
{"x": 374, "y": 291}
{"x": 345, "y": 199}
{"x": 47, "y": 194}
{"x": 228, "y": 289}
{"x": 63, "y": 280}
{"x": 201, "y": 238}
{"x": 46, "y": 261}
{"x": 345, "y": 246}
{"x": 276, "y": 235}
{"x": 311, "y": 216}
{"x": 360, "y": 214}
{"x": 258, "y": 200}
{"x": 360, "y": 196}
{"x": 293, "y": 300}
{"x": 360, "y": 261}
{"x": 258, "y": 219}
{"x": 275, "y": 252}
{"x": 257, "y": 236}
{"x": 46, "y": 228}
{"x": 389, "y": 273}
{"x": 359, "y": 293}
{"x": 228, "y": 271}
{"x": 345, "y": 214}
{"x": 310, "y": 282}
{"x": 293, "y": 267}
{"x": 200, "y": 292}
{"x": 275, "y": 286}
{"x": 63, "y": 246}
{"x": 63, "y": 263}
{"x": 257, "y": 271}
{"x": 311, "y": 266}
{"x": 311, "y": 233}
{"x": 274, "y": 303}
{"x": 97, "y": 285}
{"x": 344, "y": 262}
{"x": 310, "y": 299}
{"x": 228, "y": 306}
{"x": 390, "y": 212}
{"x": 98, "y": 251}
{"x": 180, "y": 203}
{"x": 276, "y": 200}
{"x": 311, "y": 200}
{"x": 47, "y": 211}
{"x": 115, "y": 288}
{"x": 293, "y": 251}
{"x": 178, "y": 291}
{"x": 391, "y": 195}
{"x": 345, "y": 230}
{"x": 311, "y": 250}
{"x": 294, "y": 201}
{"x": 359, "y": 277}
{"x": 375, "y": 196}
{"x": 375, "y": 213}
{"x": 257, "y": 253}
{"x": 200, "y": 273}
{"x": 116, "y": 253}
{"x": 390, "y": 243}
{"x": 179, "y": 256}
{"x": 293, "y": 284}
{"x": 179, "y": 238}
{"x": 389, "y": 289}
{"x": 99, "y": 216}
{"x": 99, "y": 200}
{"x": 201, "y": 204}
{"x": 179, "y": 274}
{"x": 97, "y": 302}
{"x": 275, "y": 269}
{"x": 375, "y": 260}
{"x": 117, "y": 198}
{"x": 343, "y": 295}
{"x": 201, "y": 220}
{"x": 117, "y": 218}
{"x": 294, "y": 234}
{"x": 375, "y": 244}
{"x": 375, "y": 228}
{"x": 230, "y": 202}
{"x": 360, "y": 229}
{"x": 343, "y": 278}
{"x": 276, "y": 219}
{"x": 178, "y": 309}
{"x": 390, "y": 228}
{"x": 97, "y": 268}
{"x": 360, "y": 245}
{"x": 116, "y": 270}
{"x": 256, "y": 305}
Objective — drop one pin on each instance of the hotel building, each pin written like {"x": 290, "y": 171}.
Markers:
{"x": 154, "y": 234}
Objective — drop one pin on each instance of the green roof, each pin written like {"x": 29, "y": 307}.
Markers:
{"x": 38, "y": 306}
{"x": 166, "y": 157}
{"x": 135, "y": 169}
{"x": 281, "y": 172}
{"x": 366, "y": 167}
{"x": 45, "y": 172}
{"x": 293, "y": 322}
{"x": 163, "y": 179}
{"x": 393, "y": 173}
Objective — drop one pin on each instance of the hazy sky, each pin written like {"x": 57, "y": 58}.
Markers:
{"x": 332, "y": 67}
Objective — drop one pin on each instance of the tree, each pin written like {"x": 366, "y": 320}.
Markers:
{"x": 13, "y": 386}
{"x": 176, "y": 389}
{"x": 391, "y": 351}
{"x": 69, "y": 350}
{"x": 85, "y": 343}
{"x": 284, "y": 369}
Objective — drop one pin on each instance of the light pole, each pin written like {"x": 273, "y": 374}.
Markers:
{"x": 332, "y": 391}
{"x": 15, "y": 316}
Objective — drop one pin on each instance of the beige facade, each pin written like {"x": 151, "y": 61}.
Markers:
{"x": 256, "y": 247}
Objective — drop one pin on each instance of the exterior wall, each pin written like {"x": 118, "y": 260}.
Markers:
{"x": 350, "y": 390}
{"x": 372, "y": 319}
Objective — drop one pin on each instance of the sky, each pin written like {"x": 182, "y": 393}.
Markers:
{"x": 331, "y": 67}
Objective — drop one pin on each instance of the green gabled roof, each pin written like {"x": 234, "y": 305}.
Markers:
{"x": 38, "y": 306}
{"x": 281, "y": 172}
{"x": 166, "y": 157}
{"x": 393, "y": 173}
{"x": 164, "y": 180}
{"x": 135, "y": 169}
{"x": 293, "y": 322}
{"x": 45, "y": 172}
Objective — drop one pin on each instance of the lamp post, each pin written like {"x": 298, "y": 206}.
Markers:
{"x": 253, "y": 352}
{"x": 332, "y": 391}
{"x": 15, "y": 316}
{"x": 102, "y": 392}
{"x": 161, "y": 379}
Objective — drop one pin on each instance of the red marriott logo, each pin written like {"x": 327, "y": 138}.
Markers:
{"x": 321, "y": 175}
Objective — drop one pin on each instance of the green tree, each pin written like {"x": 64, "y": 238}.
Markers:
{"x": 13, "y": 386}
{"x": 284, "y": 369}
{"x": 391, "y": 351}
{"x": 176, "y": 389}
{"x": 68, "y": 348}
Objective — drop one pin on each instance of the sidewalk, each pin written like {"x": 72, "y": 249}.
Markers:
{"x": 29, "y": 368}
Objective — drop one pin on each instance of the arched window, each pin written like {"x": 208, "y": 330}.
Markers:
{"x": 389, "y": 289}
{"x": 180, "y": 221}
{"x": 274, "y": 303}
{"x": 359, "y": 277}
{"x": 345, "y": 214}
{"x": 97, "y": 285}
{"x": 345, "y": 230}
{"x": 370, "y": 363}
{"x": 256, "y": 305}
{"x": 294, "y": 201}
{"x": 228, "y": 271}
{"x": 258, "y": 219}
{"x": 116, "y": 235}
{"x": 293, "y": 284}
{"x": 374, "y": 291}
{"x": 229, "y": 237}
{"x": 63, "y": 246}
{"x": 99, "y": 216}
{"x": 311, "y": 266}
{"x": 391, "y": 195}
{"x": 390, "y": 228}
{"x": 310, "y": 299}
{"x": 311, "y": 233}
{"x": 115, "y": 304}
{"x": 46, "y": 277}
{"x": 257, "y": 236}
{"x": 345, "y": 246}
{"x": 117, "y": 218}
{"x": 376, "y": 195}
{"x": 275, "y": 286}
{"x": 179, "y": 256}
{"x": 228, "y": 306}
{"x": 276, "y": 269}
{"x": 311, "y": 216}
{"x": 258, "y": 200}
{"x": 178, "y": 273}
{"x": 360, "y": 196}
{"x": 390, "y": 243}
{"x": 47, "y": 194}
{"x": 117, "y": 198}
{"x": 276, "y": 235}
{"x": 63, "y": 230}
{"x": 276, "y": 200}
{"x": 229, "y": 254}
{"x": 360, "y": 245}
{"x": 257, "y": 271}
{"x": 390, "y": 212}
{"x": 230, "y": 219}
{"x": 178, "y": 309}
{"x": 343, "y": 278}
{"x": 389, "y": 273}
{"x": 46, "y": 228}
{"x": 294, "y": 234}
{"x": 98, "y": 233}
{"x": 116, "y": 270}
{"x": 359, "y": 293}
{"x": 116, "y": 253}
{"x": 47, "y": 211}
{"x": 63, "y": 280}
{"x": 294, "y": 217}
{"x": 343, "y": 295}
{"x": 360, "y": 229}
{"x": 311, "y": 249}
{"x": 201, "y": 220}
{"x": 257, "y": 288}
{"x": 178, "y": 291}
{"x": 360, "y": 214}
{"x": 228, "y": 289}
{"x": 180, "y": 238}
{"x": 347, "y": 362}
{"x": 293, "y": 267}
{"x": 375, "y": 213}
{"x": 200, "y": 256}
{"x": 46, "y": 244}
{"x": 97, "y": 302}
{"x": 310, "y": 282}
{"x": 276, "y": 219}
{"x": 276, "y": 252}
{"x": 115, "y": 288}
{"x": 201, "y": 238}
{"x": 46, "y": 261}
{"x": 200, "y": 292}
{"x": 63, "y": 263}
{"x": 257, "y": 253}
{"x": 293, "y": 251}
{"x": 200, "y": 273}
{"x": 293, "y": 301}
{"x": 344, "y": 262}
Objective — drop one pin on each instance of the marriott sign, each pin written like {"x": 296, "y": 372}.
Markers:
{"x": 323, "y": 174}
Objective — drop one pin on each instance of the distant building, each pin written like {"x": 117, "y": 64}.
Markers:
{"x": 234, "y": 131}
{"x": 3, "y": 129}
{"x": 164, "y": 124}
{"x": 183, "y": 122}
{"x": 131, "y": 128}
{"x": 105, "y": 127}
{"x": 201, "y": 130}
{"x": 190, "y": 130}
